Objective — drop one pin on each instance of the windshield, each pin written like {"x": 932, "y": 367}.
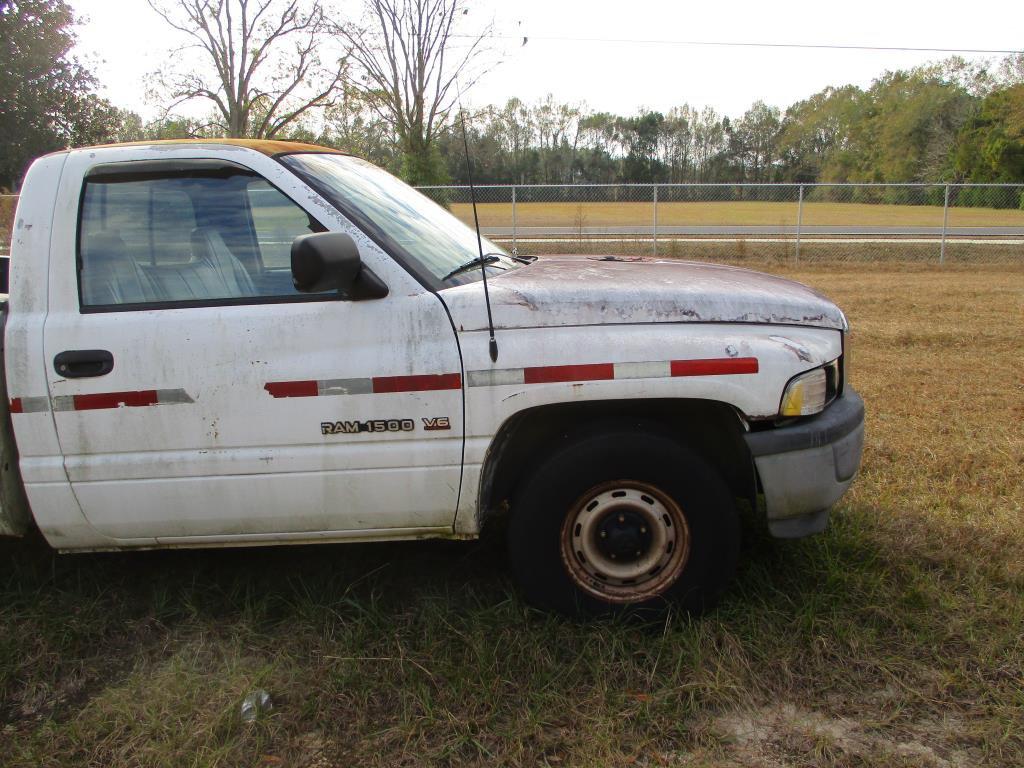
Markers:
{"x": 426, "y": 233}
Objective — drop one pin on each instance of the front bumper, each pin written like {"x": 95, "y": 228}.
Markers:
{"x": 807, "y": 466}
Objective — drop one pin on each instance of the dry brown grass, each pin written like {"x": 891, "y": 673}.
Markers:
{"x": 894, "y": 639}
{"x": 740, "y": 213}
{"x": 937, "y": 355}
{"x": 764, "y": 253}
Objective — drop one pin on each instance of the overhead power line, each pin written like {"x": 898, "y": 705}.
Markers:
{"x": 732, "y": 44}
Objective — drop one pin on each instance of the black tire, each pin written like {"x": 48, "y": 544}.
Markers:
{"x": 540, "y": 538}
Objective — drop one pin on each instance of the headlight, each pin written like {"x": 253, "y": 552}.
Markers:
{"x": 810, "y": 392}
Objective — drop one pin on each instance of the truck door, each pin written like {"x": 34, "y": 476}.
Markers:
{"x": 198, "y": 397}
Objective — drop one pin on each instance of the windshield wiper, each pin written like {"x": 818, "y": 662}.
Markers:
{"x": 489, "y": 258}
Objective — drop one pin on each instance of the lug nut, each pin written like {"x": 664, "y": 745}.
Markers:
{"x": 622, "y": 518}
{"x": 638, "y": 553}
{"x": 604, "y": 534}
{"x": 613, "y": 555}
{"x": 643, "y": 529}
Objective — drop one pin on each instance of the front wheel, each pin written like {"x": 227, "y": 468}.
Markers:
{"x": 623, "y": 521}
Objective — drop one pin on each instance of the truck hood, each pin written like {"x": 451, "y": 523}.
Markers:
{"x": 595, "y": 290}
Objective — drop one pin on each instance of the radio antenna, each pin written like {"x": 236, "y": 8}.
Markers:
{"x": 493, "y": 344}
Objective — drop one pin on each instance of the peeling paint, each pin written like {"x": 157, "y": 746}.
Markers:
{"x": 566, "y": 290}
{"x": 267, "y": 147}
{"x": 523, "y": 300}
{"x": 799, "y": 350}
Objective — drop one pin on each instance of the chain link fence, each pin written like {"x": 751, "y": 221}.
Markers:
{"x": 754, "y": 223}
{"x": 741, "y": 223}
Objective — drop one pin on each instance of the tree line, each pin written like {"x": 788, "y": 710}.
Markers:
{"x": 384, "y": 87}
{"x": 944, "y": 122}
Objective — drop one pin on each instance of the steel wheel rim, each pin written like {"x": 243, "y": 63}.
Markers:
{"x": 625, "y": 541}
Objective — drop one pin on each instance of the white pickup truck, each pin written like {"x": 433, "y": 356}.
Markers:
{"x": 212, "y": 343}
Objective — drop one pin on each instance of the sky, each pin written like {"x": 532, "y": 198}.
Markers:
{"x": 124, "y": 41}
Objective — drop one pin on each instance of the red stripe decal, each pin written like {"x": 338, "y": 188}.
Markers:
{"x": 292, "y": 388}
{"x": 16, "y": 405}
{"x": 428, "y": 382}
{"x": 551, "y": 373}
{"x": 115, "y": 400}
{"x": 720, "y": 366}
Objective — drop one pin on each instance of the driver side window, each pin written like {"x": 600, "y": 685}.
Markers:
{"x": 187, "y": 240}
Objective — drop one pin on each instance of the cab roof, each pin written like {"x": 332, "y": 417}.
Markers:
{"x": 267, "y": 147}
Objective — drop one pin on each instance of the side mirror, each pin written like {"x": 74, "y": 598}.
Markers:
{"x": 329, "y": 261}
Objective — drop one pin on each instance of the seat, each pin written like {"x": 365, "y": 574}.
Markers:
{"x": 209, "y": 249}
{"x": 212, "y": 273}
{"x": 110, "y": 275}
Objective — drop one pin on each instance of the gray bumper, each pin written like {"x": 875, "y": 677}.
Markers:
{"x": 807, "y": 466}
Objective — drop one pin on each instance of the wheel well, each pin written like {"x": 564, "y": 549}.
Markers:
{"x": 714, "y": 430}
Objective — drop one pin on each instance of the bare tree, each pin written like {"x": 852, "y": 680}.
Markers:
{"x": 1011, "y": 70}
{"x": 261, "y": 61}
{"x": 410, "y": 72}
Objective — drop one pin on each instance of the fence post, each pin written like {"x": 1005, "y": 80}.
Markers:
{"x": 655, "y": 219}
{"x": 515, "y": 245}
{"x": 799, "y": 221}
{"x": 945, "y": 226}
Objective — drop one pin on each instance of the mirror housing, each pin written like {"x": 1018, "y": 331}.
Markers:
{"x": 329, "y": 261}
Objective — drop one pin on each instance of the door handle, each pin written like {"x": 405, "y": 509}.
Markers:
{"x": 80, "y": 363}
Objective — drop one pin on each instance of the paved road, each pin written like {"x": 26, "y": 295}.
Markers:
{"x": 807, "y": 231}
{"x": 805, "y": 240}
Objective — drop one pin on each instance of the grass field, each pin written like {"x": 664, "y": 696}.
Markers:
{"x": 733, "y": 213}
{"x": 892, "y": 640}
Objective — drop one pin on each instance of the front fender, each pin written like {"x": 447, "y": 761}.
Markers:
{"x": 741, "y": 365}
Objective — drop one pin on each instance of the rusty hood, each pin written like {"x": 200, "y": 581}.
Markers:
{"x": 574, "y": 290}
